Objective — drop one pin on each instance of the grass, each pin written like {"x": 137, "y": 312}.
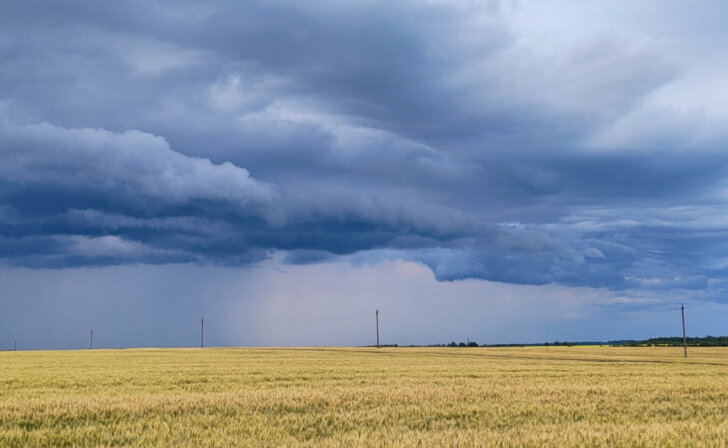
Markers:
{"x": 362, "y": 397}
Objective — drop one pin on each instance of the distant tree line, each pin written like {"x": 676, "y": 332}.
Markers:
{"x": 707, "y": 341}
{"x": 675, "y": 341}
{"x": 463, "y": 344}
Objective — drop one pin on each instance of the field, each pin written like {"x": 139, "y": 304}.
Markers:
{"x": 361, "y": 397}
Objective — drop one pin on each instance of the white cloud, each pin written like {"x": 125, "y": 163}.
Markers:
{"x": 133, "y": 162}
{"x": 108, "y": 246}
{"x": 149, "y": 57}
{"x": 244, "y": 93}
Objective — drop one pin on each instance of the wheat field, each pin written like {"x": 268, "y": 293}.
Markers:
{"x": 365, "y": 397}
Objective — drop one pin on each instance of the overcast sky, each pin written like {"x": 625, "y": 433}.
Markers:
{"x": 500, "y": 171}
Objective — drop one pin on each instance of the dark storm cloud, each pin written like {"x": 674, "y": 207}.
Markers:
{"x": 482, "y": 140}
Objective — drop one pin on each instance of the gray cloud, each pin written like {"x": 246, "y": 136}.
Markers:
{"x": 486, "y": 141}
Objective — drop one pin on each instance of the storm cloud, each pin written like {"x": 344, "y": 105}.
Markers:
{"x": 524, "y": 143}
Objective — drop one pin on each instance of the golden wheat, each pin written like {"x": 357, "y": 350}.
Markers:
{"x": 337, "y": 397}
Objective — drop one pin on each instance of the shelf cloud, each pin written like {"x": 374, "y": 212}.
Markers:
{"x": 500, "y": 141}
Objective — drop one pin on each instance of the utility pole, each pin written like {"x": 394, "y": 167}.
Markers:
{"x": 91, "y": 346}
{"x": 15, "y": 346}
{"x": 377, "y": 316}
{"x": 202, "y": 333}
{"x": 685, "y": 339}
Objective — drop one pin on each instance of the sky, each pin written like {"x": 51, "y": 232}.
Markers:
{"x": 503, "y": 172}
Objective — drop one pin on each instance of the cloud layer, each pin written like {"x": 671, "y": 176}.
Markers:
{"x": 521, "y": 143}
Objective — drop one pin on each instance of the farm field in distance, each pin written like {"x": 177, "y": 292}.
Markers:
{"x": 365, "y": 397}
